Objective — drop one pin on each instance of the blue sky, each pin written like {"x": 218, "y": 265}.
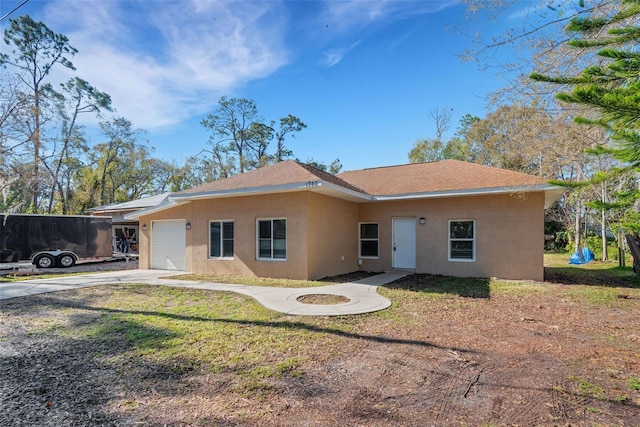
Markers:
{"x": 363, "y": 75}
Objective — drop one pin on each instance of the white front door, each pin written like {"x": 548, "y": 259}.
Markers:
{"x": 404, "y": 243}
{"x": 168, "y": 245}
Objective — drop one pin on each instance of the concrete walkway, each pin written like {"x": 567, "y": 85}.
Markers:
{"x": 362, "y": 293}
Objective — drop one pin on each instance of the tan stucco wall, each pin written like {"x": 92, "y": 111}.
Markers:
{"x": 244, "y": 212}
{"x": 322, "y": 230}
{"x": 509, "y": 234}
{"x": 333, "y": 236}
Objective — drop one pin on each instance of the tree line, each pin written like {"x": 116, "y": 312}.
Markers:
{"x": 49, "y": 163}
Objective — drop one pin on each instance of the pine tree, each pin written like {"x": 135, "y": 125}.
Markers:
{"x": 610, "y": 90}
{"x": 612, "y": 87}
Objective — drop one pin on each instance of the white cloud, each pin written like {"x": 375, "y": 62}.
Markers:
{"x": 345, "y": 15}
{"x": 344, "y": 18}
{"x": 351, "y": 15}
{"x": 165, "y": 61}
{"x": 334, "y": 56}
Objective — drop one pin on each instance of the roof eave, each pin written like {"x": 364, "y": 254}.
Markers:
{"x": 116, "y": 210}
{"x": 237, "y": 192}
{"x": 153, "y": 209}
{"x": 318, "y": 186}
{"x": 551, "y": 193}
{"x": 340, "y": 192}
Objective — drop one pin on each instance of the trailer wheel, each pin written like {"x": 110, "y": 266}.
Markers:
{"x": 65, "y": 261}
{"x": 44, "y": 261}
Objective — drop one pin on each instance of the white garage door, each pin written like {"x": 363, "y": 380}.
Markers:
{"x": 168, "y": 245}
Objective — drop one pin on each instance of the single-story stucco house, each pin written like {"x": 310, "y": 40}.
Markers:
{"x": 290, "y": 220}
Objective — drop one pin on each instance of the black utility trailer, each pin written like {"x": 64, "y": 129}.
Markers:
{"x": 54, "y": 240}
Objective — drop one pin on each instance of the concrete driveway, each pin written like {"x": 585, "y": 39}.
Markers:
{"x": 362, "y": 294}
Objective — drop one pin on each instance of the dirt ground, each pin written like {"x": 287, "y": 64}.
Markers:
{"x": 540, "y": 358}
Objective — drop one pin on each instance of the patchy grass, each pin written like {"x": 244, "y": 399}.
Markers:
{"x": 323, "y": 299}
{"x": 596, "y": 295}
{"x": 588, "y": 389}
{"x": 595, "y": 273}
{"x": 442, "y": 286}
{"x": 179, "y": 356}
{"x": 517, "y": 288}
{"x": 253, "y": 281}
{"x": 187, "y": 330}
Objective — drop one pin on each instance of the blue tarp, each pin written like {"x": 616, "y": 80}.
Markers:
{"x": 582, "y": 257}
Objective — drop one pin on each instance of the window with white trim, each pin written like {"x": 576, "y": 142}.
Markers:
{"x": 462, "y": 240}
{"x": 221, "y": 239}
{"x": 369, "y": 242}
{"x": 272, "y": 239}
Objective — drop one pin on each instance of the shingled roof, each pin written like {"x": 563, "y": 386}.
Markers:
{"x": 278, "y": 174}
{"x": 437, "y": 177}
{"x": 419, "y": 180}
{"x": 132, "y": 205}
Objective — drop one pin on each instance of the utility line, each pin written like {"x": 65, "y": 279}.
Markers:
{"x": 13, "y": 10}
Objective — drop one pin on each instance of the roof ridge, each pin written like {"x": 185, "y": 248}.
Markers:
{"x": 303, "y": 174}
{"x": 402, "y": 165}
{"x": 329, "y": 177}
{"x": 442, "y": 161}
